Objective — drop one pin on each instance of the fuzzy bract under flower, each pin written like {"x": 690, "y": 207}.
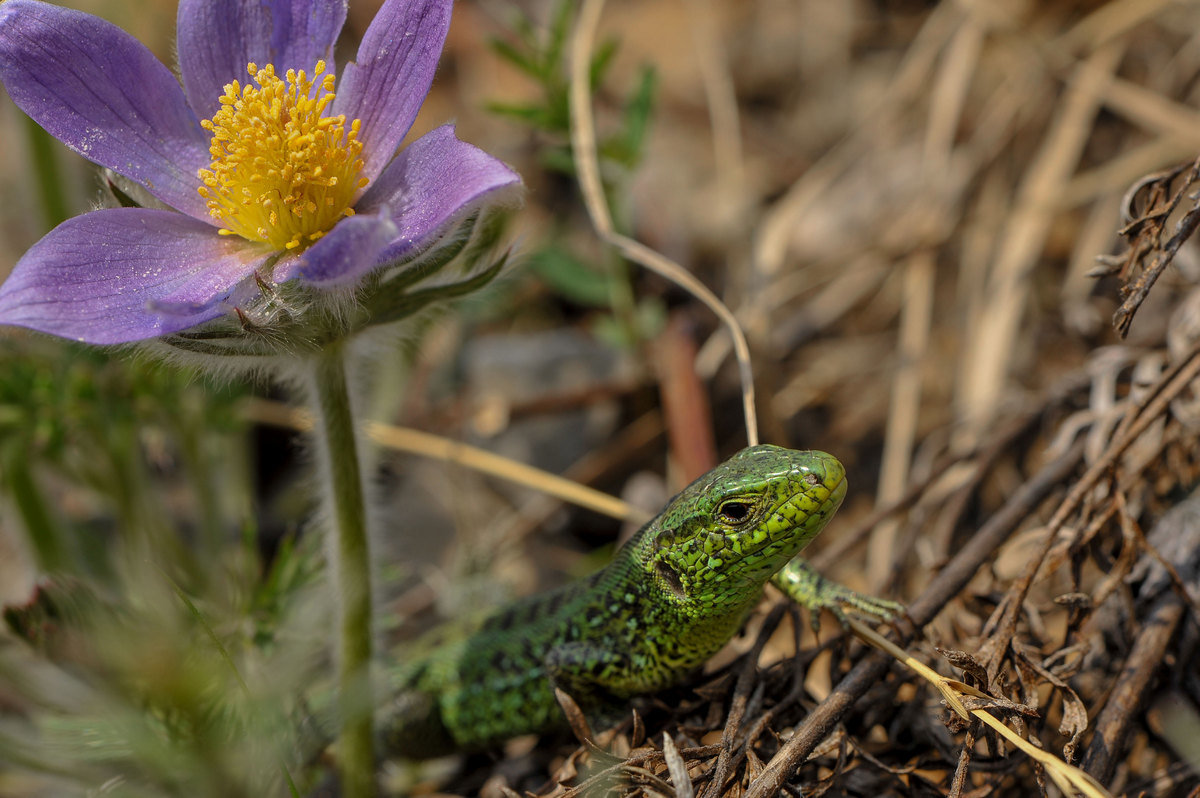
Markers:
{"x": 269, "y": 167}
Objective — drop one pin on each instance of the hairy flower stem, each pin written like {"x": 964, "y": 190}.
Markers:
{"x": 44, "y": 535}
{"x": 339, "y": 471}
{"x": 49, "y": 175}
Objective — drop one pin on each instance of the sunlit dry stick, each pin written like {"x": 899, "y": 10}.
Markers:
{"x": 428, "y": 445}
{"x": 1107, "y": 22}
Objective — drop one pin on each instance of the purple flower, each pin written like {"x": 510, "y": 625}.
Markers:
{"x": 267, "y": 174}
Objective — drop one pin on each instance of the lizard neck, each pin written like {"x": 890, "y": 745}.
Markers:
{"x": 664, "y": 636}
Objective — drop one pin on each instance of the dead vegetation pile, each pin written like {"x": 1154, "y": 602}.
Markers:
{"x": 958, "y": 237}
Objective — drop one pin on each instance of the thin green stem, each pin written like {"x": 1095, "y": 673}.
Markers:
{"x": 44, "y": 535}
{"x": 339, "y": 470}
{"x": 49, "y": 174}
{"x": 201, "y": 472}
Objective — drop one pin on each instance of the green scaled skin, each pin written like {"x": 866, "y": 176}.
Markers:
{"x": 671, "y": 597}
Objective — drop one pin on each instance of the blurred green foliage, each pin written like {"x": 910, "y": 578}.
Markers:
{"x": 110, "y": 434}
{"x": 152, "y": 656}
{"x": 540, "y": 52}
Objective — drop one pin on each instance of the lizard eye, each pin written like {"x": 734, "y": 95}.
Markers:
{"x": 734, "y": 511}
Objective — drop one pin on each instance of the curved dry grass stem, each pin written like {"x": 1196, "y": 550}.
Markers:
{"x": 583, "y": 143}
{"x": 414, "y": 441}
{"x": 423, "y": 443}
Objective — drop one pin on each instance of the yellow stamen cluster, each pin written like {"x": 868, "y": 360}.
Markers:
{"x": 281, "y": 172}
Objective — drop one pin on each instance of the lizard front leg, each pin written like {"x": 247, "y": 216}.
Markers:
{"x": 800, "y": 582}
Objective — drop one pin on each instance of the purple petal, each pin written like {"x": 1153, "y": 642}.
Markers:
{"x": 435, "y": 180}
{"x": 103, "y": 94}
{"x": 344, "y": 253}
{"x": 218, "y": 38}
{"x": 389, "y": 79}
{"x": 125, "y": 274}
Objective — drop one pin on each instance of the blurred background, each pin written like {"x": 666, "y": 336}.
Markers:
{"x": 904, "y": 204}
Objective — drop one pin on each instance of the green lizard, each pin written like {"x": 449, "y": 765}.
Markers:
{"x": 671, "y": 597}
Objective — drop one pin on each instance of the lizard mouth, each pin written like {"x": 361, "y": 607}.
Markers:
{"x": 836, "y": 494}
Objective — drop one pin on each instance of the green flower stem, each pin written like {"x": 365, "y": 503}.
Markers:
{"x": 44, "y": 535}
{"x": 49, "y": 175}
{"x": 201, "y": 470}
{"x": 337, "y": 452}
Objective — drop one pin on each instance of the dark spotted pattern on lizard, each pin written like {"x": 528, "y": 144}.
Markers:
{"x": 671, "y": 597}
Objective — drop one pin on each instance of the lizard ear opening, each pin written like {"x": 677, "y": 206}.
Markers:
{"x": 671, "y": 578}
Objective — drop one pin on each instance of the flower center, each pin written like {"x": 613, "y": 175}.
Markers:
{"x": 281, "y": 172}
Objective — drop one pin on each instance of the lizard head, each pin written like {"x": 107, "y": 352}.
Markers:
{"x": 728, "y": 532}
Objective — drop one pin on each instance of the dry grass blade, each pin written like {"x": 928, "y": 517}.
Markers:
{"x": 986, "y": 359}
{"x": 904, "y": 411}
{"x": 1108, "y": 21}
{"x": 1071, "y": 780}
{"x": 427, "y": 445}
{"x": 575, "y": 717}
{"x": 950, "y": 689}
{"x": 678, "y": 769}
